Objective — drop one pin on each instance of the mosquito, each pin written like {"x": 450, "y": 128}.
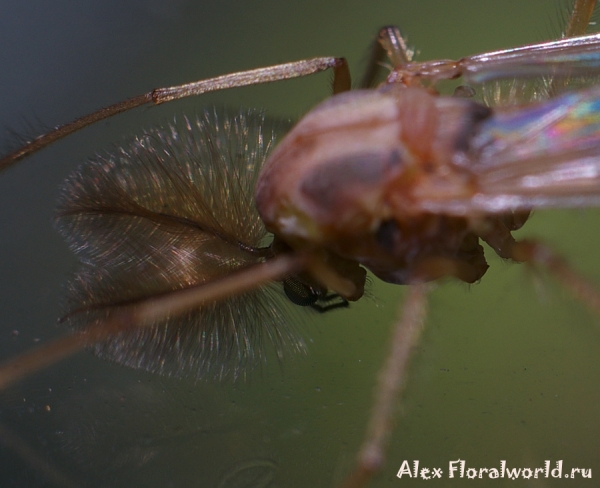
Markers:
{"x": 393, "y": 178}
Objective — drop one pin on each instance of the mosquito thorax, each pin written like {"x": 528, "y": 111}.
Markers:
{"x": 349, "y": 175}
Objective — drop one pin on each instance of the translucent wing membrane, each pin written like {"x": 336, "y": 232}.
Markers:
{"x": 570, "y": 57}
{"x": 173, "y": 209}
{"x": 544, "y": 155}
{"x": 516, "y": 75}
{"x": 535, "y": 73}
{"x": 502, "y": 93}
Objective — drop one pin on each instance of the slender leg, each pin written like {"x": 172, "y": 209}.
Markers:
{"x": 536, "y": 253}
{"x": 577, "y": 25}
{"x": 341, "y": 82}
{"x": 498, "y": 236}
{"x": 391, "y": 43}
{"x": 390, "y": 384}
{"x": 579, "y": 19}
{"x": 256, "y": 76}
{"x": 395, "y": 46}
{"x": 376, "y": 57}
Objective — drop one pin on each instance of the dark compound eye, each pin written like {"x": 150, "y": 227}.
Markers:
{"x": 300, "y": 293}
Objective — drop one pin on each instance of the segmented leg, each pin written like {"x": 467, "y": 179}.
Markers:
{"x": 341, "y": 82}
{"x": 536, "y": 253}
{"x": 390, "y": 384}
{"x": 390, "y": 43}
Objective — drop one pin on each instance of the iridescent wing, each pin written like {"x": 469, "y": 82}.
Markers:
{"x": 538, "y": 156}
{"x": 517, "y": 75}
{"x": 574, "y": 56}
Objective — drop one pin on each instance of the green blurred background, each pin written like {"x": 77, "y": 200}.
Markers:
{"x": 508, "y": 368}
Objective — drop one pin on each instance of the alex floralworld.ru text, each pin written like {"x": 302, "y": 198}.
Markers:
{"x": 459, "y": 469}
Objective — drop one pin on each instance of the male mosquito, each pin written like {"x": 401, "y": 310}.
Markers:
{"x": 329, "y": 250}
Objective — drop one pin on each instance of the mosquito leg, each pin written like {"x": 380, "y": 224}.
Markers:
{"x": 579, "y": 19}
{"x": 389, "y": 386}
{"x": 389, "y": 42}
{"x": 297, "y": 69}
{"x": 148, "y": 312}
{"x": 376, "y": 57}
{"x": 498, "y": 236}
{"x": 395, "y": 46}
{"x": 341, "y": 77}
{"x": 341, "y": 82}
{"x": 577, "y": 25}
{"x": 535, "y": 253}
